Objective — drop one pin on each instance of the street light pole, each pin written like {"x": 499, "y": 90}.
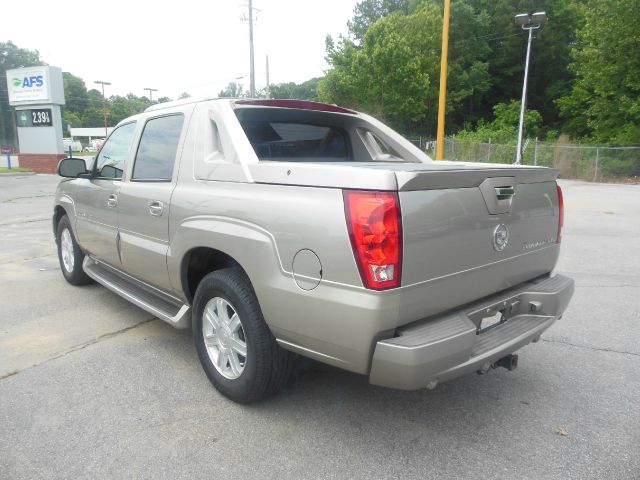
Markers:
{"x": 150, "y": 90}
{"x": 104, "y": 106}
{"x": 531, "y": 23}
{"x": 267, "y": 91}
{"x": 524, "y": 100}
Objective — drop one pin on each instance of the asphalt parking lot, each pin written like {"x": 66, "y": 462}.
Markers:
{"x": 93, "y": 387}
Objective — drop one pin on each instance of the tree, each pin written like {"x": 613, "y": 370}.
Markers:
{"x": 120, "y": 108}
{"x": 233, "y": 90}
{"x": 389, "y": 75}
{"x": 12, "y": 57}
{"x": 75, "y": 93}
{"x": 367, "y": 12}
{"x": 394, "y": 74}
{"x": 605, "y": 99}
{"x": 504, "y": 127}
{"x": 549, "y": 77}
{"x": 76, "y": 101}
{"x": 70, "y": 119}
{"x": 303, "y": 91}
{"x": 486, "y": 57}
{"x": 92, "y": 117}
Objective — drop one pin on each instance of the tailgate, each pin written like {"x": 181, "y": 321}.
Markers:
{"x": 471, "y": 233}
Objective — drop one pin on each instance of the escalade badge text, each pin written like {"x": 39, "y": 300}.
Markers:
{"x": 526, "y": 246}
{"x": 500, "y": 237}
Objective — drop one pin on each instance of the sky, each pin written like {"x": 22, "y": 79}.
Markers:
{"x": 187, "y": 46}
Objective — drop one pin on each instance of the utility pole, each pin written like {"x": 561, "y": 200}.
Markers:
{"x": 104, "y": 106}
{"x": 527, "y": 22}
{"x": 268, "y": 92}
{"x": 442, "y": 101}
{"x": 150, "y": 90}
{"x": 252, "y": 78}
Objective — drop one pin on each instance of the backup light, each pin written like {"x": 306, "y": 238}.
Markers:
{"x": 375, "y": 231}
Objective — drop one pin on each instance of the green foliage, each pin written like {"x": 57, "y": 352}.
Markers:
{"x": 584, "y": 72}
{"x": 70, "y": 118}
{"x": 394, "y": 72}
{"x": 13, "y": 170}
{"x": 367, "y": 12}
{"x": 233, "y": 90}
{"x": 75, "y": 93}
{"x": 302, "y": 91}
{"x": 621, "y": 167}
{"x": 120, "y": 108}
{"x": 605, "y": 100}
{"x": 388, "y": 75}
{"x": 549, "y": 78}
{"x": 486, "y": 60}
{"x": 503, "y": 128}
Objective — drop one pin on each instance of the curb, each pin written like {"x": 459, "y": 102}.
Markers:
{"x": 16, "y": 174}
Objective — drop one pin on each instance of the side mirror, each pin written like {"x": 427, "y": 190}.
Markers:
{"x": 72, "y": 167}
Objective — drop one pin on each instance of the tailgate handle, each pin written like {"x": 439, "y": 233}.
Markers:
{"x": 505, "y": 193}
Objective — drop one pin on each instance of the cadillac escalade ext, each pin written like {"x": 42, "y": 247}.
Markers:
{"x": 280, "y": 227}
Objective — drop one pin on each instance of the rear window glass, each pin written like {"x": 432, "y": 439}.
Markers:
{"x": 290, "y": 141}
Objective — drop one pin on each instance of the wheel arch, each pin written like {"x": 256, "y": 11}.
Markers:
{"x": 58, "y": 212}
{"x": 200, "y": 261}
{"x": 204, "y": 244}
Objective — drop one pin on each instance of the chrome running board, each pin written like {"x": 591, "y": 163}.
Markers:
{"x": 163, "y": 306}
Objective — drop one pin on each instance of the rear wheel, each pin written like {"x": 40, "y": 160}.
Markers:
{"x": 70, "y": 255}
{"x": 236, "y": 348}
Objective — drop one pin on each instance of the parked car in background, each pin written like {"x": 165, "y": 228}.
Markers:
{"x": 75, "y": 145}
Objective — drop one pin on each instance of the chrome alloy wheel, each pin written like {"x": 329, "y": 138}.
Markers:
{"x": 66, "y": 249}
{"x": 224, "y": 338}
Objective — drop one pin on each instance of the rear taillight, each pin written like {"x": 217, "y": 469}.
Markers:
{"x": 375, "y": 230}
{"x": 560, "y": 213}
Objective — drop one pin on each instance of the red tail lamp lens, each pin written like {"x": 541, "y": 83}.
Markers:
{"x": 560, "y": 213}
{"x": 375, "y": 230}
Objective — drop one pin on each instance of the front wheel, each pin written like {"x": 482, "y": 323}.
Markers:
{"x": 236, "y": 348}
{"x": 70, "y": 255}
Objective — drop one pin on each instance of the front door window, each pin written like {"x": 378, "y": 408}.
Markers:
{"x": 114, "y": 153}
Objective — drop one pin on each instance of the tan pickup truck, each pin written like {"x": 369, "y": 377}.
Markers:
{"x": 282, "y": 227}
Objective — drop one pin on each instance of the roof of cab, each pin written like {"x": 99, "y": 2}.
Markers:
{"x": 260, "y": 102}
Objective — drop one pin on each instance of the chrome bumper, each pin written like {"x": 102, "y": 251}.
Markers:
{"x": 437, "y": 349}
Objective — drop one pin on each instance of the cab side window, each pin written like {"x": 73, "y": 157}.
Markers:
{"x": 156, "y": 155}
{"x": 113, "y": 155}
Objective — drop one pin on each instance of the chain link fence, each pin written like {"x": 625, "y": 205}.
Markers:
{"x": 586, "y": 162}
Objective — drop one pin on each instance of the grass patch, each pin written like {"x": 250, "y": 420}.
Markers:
{"x": 14, "y": 170}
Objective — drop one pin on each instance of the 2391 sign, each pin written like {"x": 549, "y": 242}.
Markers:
{"x": 40, "y": 117}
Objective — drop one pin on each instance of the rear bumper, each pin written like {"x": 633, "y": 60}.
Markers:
{"x": 437, "y": 349}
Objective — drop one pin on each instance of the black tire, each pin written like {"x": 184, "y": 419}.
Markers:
{"x": 72, "y": 272}
{"x": 266, "y": 367}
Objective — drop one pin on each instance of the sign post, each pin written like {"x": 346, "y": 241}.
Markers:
{"x": 37, "y": 93}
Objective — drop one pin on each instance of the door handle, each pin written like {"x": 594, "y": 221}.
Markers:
{"x": 156, "y": 208}
{"x": 112, "y": 201}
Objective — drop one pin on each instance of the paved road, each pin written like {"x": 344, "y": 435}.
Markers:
{"x": 92, "y": 387}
